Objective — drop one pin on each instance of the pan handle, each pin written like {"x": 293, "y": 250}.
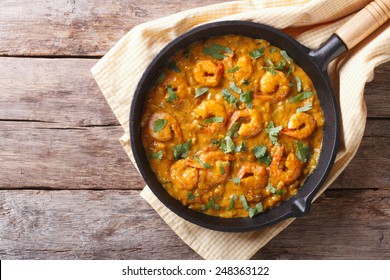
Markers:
{"x": 352, "y": 32}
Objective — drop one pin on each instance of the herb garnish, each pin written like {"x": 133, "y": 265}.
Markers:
{"x": 247, "y": 98}
{"x": 190, "y": 196}
{"x": 301, "y": 96}
{"x": 260, "y": 153}
{"x": 233, "y": 131}
{"x": 159, "y": 79}
{"x": 274, "y": 190}
{"x": 235, "y": 69}
{"x": 230, "y": 98}
{"x": 271, "y": 70}
{"x": 203, "y": 164}
{"x": 251, "y": 211}
{"x": 159, "y": 124}
{"x": 236, "y": 181}
{"x": 214, "y": 120}
{"x": 233, "y": 200}
{"x": 285, "y": 56}
{"x": 241, "y": 148}
{"x": 216, "y": 51}
{"x": 246, "y": 82}
{"x": 181, "y": 150}
{"x": 227, "y": 145}
{"x": 299, "y": 83}
{"x": 235, "y": 88}
{"x": 210, "y": 204}
{"x": 273, "y": 133}
{"x": 171, "y": 94}
{"x": 172, "y": 65}
{"x": 290, "y": 70}
{"x": 303, "y": 152}
{"x": 272, "y": 50}
{"x": 305, "y": 108}
{"x": 156, "y": 155}
{"x": 257, "y": 53}
{"x": 222, "y": 169}
{"x": 200, "y": 91}
{"x": 216, "y": 142}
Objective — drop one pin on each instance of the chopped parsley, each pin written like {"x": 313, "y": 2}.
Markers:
{"x": 300, "y": 96}
{"x": 222, "y": 169}
{"x": 159, "y": 79}
{"x": 274, "y": 190}
{"x": 303, "y": 152}
{"x": 299, "y": 83}
{"x": 241, "y": 148}
{"x": 305, "y": 108}
{"x": 251, "y": 211}
{"x": 236, "y": 181}
{"x": 285, "y": 56}
{"x": 230, "y": 98}
{"x": 159, "y": 124}
{"x": 200, "y": 91}
{"x": 235, "y": 69}
{"x": 171, "y": 94}
{"x": 233, "y": 200}
{"x": 257, "y": 53}
{"x": 260, "y": 152}
{"x": 281, "y": 64}
{"x": 235, "y": 88}
{"x": 271, "y": 70}
{"x": 227, "y": 145}
{"x": 190, "y": 196}
{"x": 203, "y": 164}
{"x": 214, "y": 120}
{"x": 233, "y": 131}
{"x": 157, "y": 155}
{"x": 247, "y": 98}
{"x": 273, "y": 133}
{"x": 211, "y": 204}
{"x": 172, "y": 65}
{"x": 181, "y": 150}
{"x": 216, "y": 51}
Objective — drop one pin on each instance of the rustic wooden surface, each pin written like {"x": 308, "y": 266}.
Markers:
{"x": 67, "y": 188}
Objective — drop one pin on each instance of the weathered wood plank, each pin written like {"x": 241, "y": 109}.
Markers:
{"x": 43, "y": 155}
{"x": 83, "y": 28}
{"x": 121, "y": 225}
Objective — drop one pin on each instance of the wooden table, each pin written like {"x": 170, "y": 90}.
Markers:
{"x": 67, "y": 188}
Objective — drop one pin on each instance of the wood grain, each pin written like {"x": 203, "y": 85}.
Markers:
{"x": 77, "y": 28}
{"x": 121, "y": 225}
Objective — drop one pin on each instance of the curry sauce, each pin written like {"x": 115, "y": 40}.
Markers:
{"x": 232, "y": 126}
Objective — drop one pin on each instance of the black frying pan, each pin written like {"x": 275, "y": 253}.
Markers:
{"x": 313, "y": 62}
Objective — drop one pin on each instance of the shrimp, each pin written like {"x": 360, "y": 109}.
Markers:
{"x": 254, "y": 178}
{"x": 171, "y": 127}
{"x": 208, "y": 109}
{"x": 252, "y": 122}
{"x": 300, "y": 126}
{"x": 275, "y": 88}
{"x": 183, "y": 175}
{"x": 207, "y": 73}
{"x": 285, "y": 170}
{"x": 245, "y": 69}
{"x": 214, "y": 167}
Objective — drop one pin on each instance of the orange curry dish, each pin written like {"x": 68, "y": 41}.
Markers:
{"x": 232, "y": 126}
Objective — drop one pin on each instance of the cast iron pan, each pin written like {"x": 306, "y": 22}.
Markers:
{"x": 313, "y": 62}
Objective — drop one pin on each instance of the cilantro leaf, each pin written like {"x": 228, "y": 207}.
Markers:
{"x": 171, "y": 94}
{"x": 273, "y": 132}
{"x": 172, "y": 65}
{"x": 210, "y": 204}
{"x": 203, "y": 164}
{"x": 247, "y": 98}
{"x": 285, "y": 56}
{"x": 181, "y": 150}
{"x": 299, "y": 83}
{"x": 290, "y": 70}
{"x": 257, "y": 53}
{"x": 235, "y": 88}
{"x": 236, "y": 181}
{"x": 235, "y": 69}
{"x": 281, "y": 64}
{"x": 159, "y": 79}
{"x": 244, "y": 202}
{"x": 200, "y": 91}
{"x": 230, "y": 98}
{"x": 260, "y": 152}
{"x": 159, "y": 124}
{"x": 222, "y": 169}
{"x": 272, "y": 50}
{"x": 246, "y": 82}
{"x": 233, "y": 200}
{"x": 301, "y": 96}
{"x": 214, "y": 120}
{"x": 271, "y": 70}
{"x": 251, "y": 211}
{"x": 303, "y": 152}
{"x": 157, "y": 155}
{"x": 190, "y": 196}
{"x": 233, "y": 131}
{"x": 305, "y": 108}
{"x": 274, "y": 190}
{"x": 227, "y": 145}
{"x": 216, "y": 51}
{"x": 241, "y": 148}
